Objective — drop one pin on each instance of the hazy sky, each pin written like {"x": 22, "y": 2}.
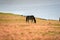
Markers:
{"x": 49, "y": 9}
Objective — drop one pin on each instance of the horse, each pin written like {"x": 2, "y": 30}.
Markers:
{"x": 30, "y": 17}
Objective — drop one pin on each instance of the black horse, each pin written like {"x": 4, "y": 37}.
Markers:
{"x": 31, "y": 17}
{"x": 59, "y": 18}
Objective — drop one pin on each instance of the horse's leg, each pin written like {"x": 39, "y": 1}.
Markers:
{"x": 34, "y": 20}
{"x": 31, "y": 20}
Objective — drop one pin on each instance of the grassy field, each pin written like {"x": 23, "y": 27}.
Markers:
{"x": 14, "y": 27}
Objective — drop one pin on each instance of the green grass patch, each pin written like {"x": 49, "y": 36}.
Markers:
{"x": 9, "y": 14}
{"x": 6, "y": 13}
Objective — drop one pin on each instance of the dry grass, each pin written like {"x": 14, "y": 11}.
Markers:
{"x": 14, "y": 27}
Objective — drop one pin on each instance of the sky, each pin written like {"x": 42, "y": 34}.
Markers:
{"x": 48, "y": 9}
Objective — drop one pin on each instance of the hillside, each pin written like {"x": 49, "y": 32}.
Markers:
{"x": 14, "y": 27}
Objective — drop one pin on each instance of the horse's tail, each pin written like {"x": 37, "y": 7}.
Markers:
{"x": 27, "y": 19}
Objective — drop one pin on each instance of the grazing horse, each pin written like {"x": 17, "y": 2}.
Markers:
{"x": 59, "y": 18}
{"x": 31, "y": 17}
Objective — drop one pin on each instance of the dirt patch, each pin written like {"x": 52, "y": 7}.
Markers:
{"x": 25, "y": 31}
